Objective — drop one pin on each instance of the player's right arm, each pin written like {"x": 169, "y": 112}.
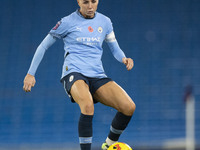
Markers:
{"x": 29, "y": 80}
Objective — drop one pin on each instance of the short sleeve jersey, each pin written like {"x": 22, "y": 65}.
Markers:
{"x": 83, "y": 39}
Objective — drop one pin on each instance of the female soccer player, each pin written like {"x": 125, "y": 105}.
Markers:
{"x": 83, "y": 77}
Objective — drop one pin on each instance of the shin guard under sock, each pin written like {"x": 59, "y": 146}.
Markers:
{"x": 118, "y": 125}
{"x": 85, "y": 131}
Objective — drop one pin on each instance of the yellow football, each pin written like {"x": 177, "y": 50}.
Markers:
{"x": 120, "y": 146}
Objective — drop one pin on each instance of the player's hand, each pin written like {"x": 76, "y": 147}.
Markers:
{"x": 29, "y": 82}
{"x": 128, "y": 62}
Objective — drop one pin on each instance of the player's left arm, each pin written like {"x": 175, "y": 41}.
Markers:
{"x": 117, "y": 52}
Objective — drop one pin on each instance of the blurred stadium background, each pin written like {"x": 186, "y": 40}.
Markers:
{"x": 162, "y": 36}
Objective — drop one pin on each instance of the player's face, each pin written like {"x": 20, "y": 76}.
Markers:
{"x": 88, "y": 7}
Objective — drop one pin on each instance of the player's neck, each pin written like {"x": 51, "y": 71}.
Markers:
{"x": 86, "y": 17}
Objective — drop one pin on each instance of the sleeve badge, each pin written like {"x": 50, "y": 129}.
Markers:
{"x": 57, "y": 25}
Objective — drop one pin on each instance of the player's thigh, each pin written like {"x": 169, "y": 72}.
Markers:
{"x": 111, "y": 94}
{"x": 81, "y": 94}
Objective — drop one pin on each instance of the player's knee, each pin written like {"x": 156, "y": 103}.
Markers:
{"x": 88, "y": 109}
{"x": 132, "y": 108}
{"x": 129, "y": 109}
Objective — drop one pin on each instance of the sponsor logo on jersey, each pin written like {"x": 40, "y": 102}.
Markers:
{"x": 88, "y": 39}
{"x": 78, "y": 28}
{"x": 57, "y": 25}
{"x": 92, "y": 41}
{"x": 90, "y": 29}
{"x": 100, "y": 29}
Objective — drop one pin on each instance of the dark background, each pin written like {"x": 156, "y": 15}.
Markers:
{"x": 163, "y": 38}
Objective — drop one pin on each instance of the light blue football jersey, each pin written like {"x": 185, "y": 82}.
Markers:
{"x": 83, "y": 39}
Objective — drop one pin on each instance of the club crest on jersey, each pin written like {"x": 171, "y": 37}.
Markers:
{"x": 71, "y": 78}
{"x": 57, "y": 25}
{"x": 100, "y": 29}
{"x": 90, "y": 29}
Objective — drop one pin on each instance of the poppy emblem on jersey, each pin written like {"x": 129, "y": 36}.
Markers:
{"x": 90, "y": 29}
{"x": 57, "y": 25}
{"x": 100, "y": 29}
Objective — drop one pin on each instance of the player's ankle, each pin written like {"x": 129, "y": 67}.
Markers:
{"x": 109, "y": 141}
